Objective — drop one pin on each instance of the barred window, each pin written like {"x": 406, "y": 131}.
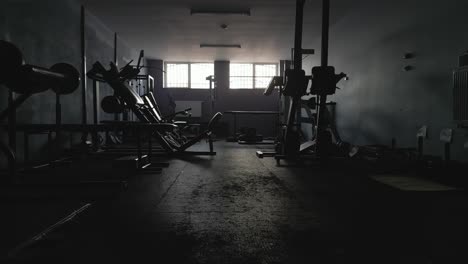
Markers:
{"x": 177, "y": 75}
{"x": 198, "y": 74}
{"x": 251, "y": 75}
{"x": 188, "y": 75}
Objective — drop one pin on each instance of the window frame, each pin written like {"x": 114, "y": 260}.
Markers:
{"x": 189, "y": 72}
{"x": 254, "y": 74}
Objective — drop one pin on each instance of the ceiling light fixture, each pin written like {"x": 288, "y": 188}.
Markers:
{"x": 237, "y": 46}
{"x": 241, "y": 12}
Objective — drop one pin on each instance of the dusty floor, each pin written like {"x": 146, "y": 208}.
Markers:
{"x": 236, "y": 208}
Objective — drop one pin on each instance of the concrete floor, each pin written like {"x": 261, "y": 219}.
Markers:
{"x": 236, "y": 208}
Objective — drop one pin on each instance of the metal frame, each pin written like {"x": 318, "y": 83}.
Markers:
{"x": 138, "y": 128}
{"x": 149, "y": 88}
{"x": 211, "y": 11}
{"x": 84, "y": 89}
{"x": 290, "y": 147}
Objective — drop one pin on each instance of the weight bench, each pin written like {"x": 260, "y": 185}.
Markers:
{"x": 146, "y": 110}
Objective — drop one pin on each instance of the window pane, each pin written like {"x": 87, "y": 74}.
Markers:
{"x": 198, "y": 74}
{"x": 241, "y": 82}
{"x": 177, "y": 75}
{"x": 241, "y": 76}
{"x": 263, "y": 75}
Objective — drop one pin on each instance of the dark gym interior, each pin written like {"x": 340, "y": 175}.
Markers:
{"x": 222, "y": 131}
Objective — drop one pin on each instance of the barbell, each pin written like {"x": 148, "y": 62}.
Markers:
{"x": 23, "y": 78}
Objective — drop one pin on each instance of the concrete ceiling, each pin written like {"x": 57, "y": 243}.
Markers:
{"x": 166, "y": 30}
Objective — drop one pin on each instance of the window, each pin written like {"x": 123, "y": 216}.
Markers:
{"x": 251, "y": 75}
{"x": 263, "y": 74}
{"x": 241, "y": 76}
{"x": 198, "y": 74}
{"x": 177, "y": 75}
{"x": 188, "y": 75}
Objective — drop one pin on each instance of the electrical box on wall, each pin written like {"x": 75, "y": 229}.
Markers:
{"x": 460, "y": 96}
{"x": 463, "y": 60}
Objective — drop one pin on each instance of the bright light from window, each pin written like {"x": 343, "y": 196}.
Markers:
{"x": 198, "y": 74}
{"x": 177, "y": 75}
{"x": 188, "y": 75}
{"x": 241, "y": 76}
{"x": 263, "y": 75}
{"x": 251, "y": 75}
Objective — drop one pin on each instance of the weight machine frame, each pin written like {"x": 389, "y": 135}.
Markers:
{"x": 294, "y": 86}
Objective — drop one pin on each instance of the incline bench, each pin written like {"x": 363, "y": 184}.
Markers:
{"x": 146, "y": 110}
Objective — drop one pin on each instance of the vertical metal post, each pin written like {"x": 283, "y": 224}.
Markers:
{"x": 96, "y": 102}
{"x": 138, "y": 137}
{"x": 148, "y": 84}
{"x": 190, "y": 75}
{"x": 10, "y": 112}
{"x": 298, "y": 34}
{"x": 297, "y": 59}
{"x": 210, "y": 142}
{"x": 212, "y": 95}
{"x": 49, "y": 146}
{"x": 116, "y": 62}
{"x": 447, "y": 152}
{"x": 325, "y": 31}
{"x": 83, "y": 67}
{"x": 292, "y": 139}
{"x": 95, "y": 114}
{"x": 283, "y": 102}
{"x": 58, "y": 123}
{"x": 26, "y": 148}
{"x": 12, "y": 135}
{"x": 420, "y": 147}
{"x": 322, "y": 99}
{"x": 84, "y": 88}
{"x": 11, "y": 121}
{"x": 150, "y": 146}
{"x": 235, "y": 127}
{"x": 58, "y": 112}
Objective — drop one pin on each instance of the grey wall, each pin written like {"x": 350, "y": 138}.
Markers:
{"x": 381, "y": 101}
{"x": 100, "y": 47}
{"x": 48, "y": 32}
